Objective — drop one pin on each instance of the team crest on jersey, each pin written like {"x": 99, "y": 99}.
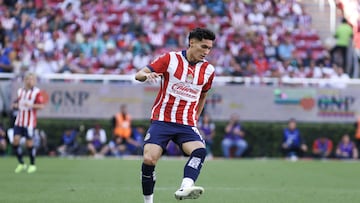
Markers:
{"x": 189, "y": 78}
{"x": 147, "y": 136}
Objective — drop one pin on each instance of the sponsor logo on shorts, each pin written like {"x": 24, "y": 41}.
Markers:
{"x": 194, "y": 162}
{"x": 147, "y": 137}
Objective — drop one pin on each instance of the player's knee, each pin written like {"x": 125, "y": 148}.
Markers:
{"x": 149, "y": 159}
{"x": 200, "y": 152}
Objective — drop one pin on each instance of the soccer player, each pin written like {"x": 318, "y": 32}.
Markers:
{"x": 185, "y": 79}
{"x": 29, "y": 100}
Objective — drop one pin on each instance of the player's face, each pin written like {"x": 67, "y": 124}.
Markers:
{"x": 30, "y": 81}
{"x": 200, "y": 49}
{"x": 292, "y": 125}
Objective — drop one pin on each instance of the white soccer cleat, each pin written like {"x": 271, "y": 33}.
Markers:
{"x": 192, "y": 192}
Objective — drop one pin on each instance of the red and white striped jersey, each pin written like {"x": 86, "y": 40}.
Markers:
{"x": 181, "y": 86}
{"x": 26, "y": 117}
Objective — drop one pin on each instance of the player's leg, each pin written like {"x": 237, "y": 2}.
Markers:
{"x": 31, "y": 150}
{"x": 197, "y": 152}
{"x": 155, "y": 142}
{"x": 17, "y": 149}
{"x": 152, "y": 153}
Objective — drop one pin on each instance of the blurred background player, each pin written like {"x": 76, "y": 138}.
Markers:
{"x": 234, "y": 138}
{"x": 96, "y": 139}
{"x": 29, "y": 100}
{"x": 185, "y": 79}
{"x": 69, "y": 142}
{"x": 322, "y": 147}
{"x": 293, "y": 144}
{"x": 346, "y": 149}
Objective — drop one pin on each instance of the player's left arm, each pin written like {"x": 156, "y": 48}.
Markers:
{"x": 202, "y": 99}
{"x": 201, "y": 105}
{"x": 39, "y": 102}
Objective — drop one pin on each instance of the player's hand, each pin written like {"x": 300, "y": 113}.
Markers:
{"x": 152, "y": 77}
{"x": 27, "y": 105}
{"x": 15, "y": 105}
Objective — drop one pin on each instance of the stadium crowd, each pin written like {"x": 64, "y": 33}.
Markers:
{"x": 265, "y": 38}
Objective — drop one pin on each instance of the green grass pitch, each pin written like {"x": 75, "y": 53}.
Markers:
{"x": 225, "y": 181}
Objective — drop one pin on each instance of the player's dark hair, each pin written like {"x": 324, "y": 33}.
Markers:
{"x": 201, "y": 33}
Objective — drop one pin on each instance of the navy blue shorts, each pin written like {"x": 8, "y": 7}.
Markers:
{"x": 161, "y": 133}
{"x": 24, "y": 132}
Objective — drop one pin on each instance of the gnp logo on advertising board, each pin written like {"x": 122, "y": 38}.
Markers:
{"x": 328, "y": 102}
{"x": 68, "y": 101}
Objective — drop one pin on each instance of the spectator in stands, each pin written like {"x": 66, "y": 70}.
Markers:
{"x": 343, "y": 35}
{"x": 171, "y": 40}
{"x": 293, "y": 144}
{"x": 237, "y": 15}
{"x": 69, "y": 21}
{"x": 68, "y": 144}
{"x": 234, "y": 137}
{"x": 346, "y": 149}
{"x": 286, "y": 48}
{"x": 261, "y": 64}
{"x": 270, "y": 49}
{"x": 45, "y": 64}
{"x": 141, "y": 45}
{"x": 157, "y": 37}
{"x": 339, "y": 79}
{"x": 70, "y": 12}
{"x": 8, "y": 22}
{"x": 29, "y": 8}
{"x": 3, "y": 142}
{"x": 216, "y": 7}
{"x": 96, "y": 139}
{"x": 314, "y": 70}
{"x": 56, "y": 23}
{"x": 86, "y": 46}
{"x": 207, "y": 129}
{"x": 5, "y": 62}
{"x": 256, "y": 21}
{"x": 109, "y": 61}
{"x": 72, "y": 45}
{"x": 322, "y": 147}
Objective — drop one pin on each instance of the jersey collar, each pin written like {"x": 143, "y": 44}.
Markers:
{"x": 183, "y": 52}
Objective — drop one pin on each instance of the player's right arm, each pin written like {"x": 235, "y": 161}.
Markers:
{"x": 155, "y": 69}
{"x": 146, "y": 74}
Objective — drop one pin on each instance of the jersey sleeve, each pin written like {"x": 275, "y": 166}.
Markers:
{"x": 39, "y": 99}
{"x": 160, "y": 64}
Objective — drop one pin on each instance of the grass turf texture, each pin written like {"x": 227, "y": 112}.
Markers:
{"x": 225, "y": 181}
